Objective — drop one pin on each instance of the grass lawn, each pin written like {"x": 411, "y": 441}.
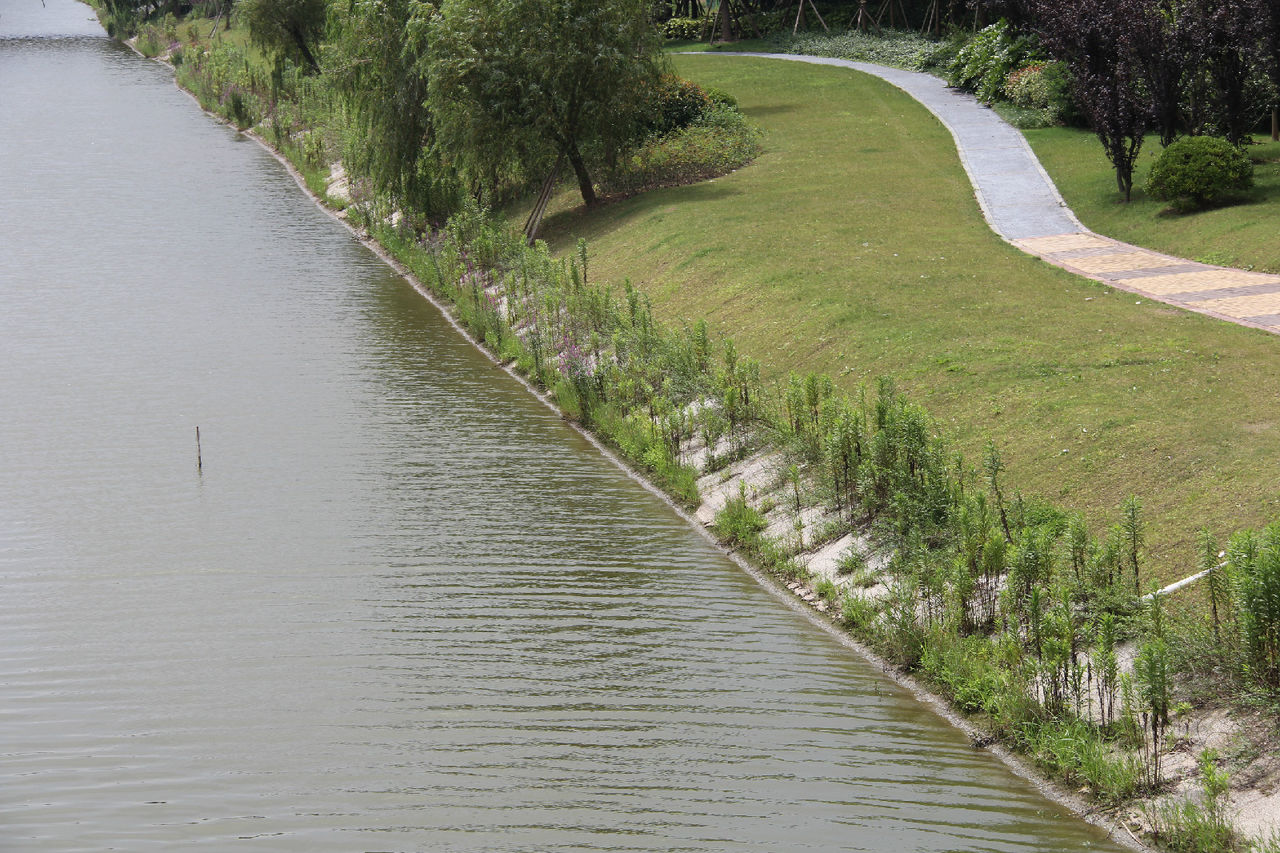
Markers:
{"x": 854, "y": 246}
{"x": 1241, "y": 235}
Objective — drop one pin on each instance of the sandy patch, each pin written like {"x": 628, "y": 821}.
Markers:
{"x": 338, "y": 186}
{"x": 752, "y": 475}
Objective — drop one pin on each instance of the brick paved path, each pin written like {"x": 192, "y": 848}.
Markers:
{"x": 1024, "y": 207}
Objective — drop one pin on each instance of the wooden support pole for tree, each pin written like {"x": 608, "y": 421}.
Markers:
{"x": 932, "y": 19}
{"x": 1275, "y": 124}
{"x": 819, "y": 16}
{"x": 534, "y": 221}
{"x": 864, "y": 18}
{"x": 800, "y": 16}
{"x": 888, "y": 6}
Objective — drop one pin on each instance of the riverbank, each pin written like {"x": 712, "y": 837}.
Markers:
{"x": 481, "y": 302}
{"x": 755, "y": 473}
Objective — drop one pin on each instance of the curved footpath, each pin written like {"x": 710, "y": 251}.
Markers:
{"x": 1024, "y": 207}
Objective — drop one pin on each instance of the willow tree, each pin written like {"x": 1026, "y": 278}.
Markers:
{"x": 286, "y": 27}
{"x": 512, "y": 81}
{"x": 379, "y": 63}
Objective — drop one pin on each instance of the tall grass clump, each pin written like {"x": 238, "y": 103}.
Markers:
{"x": 1201, "y": 824}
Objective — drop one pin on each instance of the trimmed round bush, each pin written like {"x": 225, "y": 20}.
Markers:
{"x": 1198, "y": 171}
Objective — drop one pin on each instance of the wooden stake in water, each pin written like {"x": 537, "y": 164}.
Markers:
{"x": 199, "y": 461}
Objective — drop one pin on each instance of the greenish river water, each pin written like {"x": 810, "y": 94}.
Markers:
{"x": 403, "y": 607}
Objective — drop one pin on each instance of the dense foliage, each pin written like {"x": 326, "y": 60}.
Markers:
{"x": 379, "y": 66}
{"x": 1045, "y": 88}
{"x": 1012, "y": 607}
{"x": 984, "y": 64}
{"x": 1196, "y": 67}
{"x": 713, "y": 142}
{"x": 286, "y": 27}
{"x": 898, "y": 49}
{"x": 515, "y": 83}
{"x": 429, "y": 104}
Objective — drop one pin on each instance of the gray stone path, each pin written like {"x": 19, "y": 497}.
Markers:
{"x": 1024, "y": 207}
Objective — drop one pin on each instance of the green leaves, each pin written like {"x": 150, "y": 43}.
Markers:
{"x": 514, "y": 82}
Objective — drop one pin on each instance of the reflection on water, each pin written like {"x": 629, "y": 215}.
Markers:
{"x": 403, "y": 607}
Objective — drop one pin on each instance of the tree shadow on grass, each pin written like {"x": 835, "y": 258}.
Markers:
{"x": 1184, "y": 209}
{"x": 561, "y": 230}
{"x": 772, "y": 110}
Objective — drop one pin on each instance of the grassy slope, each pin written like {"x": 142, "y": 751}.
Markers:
{"x": 854, "y": 246}
{"x": 1241, "y": 235}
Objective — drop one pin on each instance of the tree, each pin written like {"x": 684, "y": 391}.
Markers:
{"x": 1271, "y": 23}
{"x": 1228, "y": 37}
{"x": 512, "y": 81}
{"x": 380, "y": 67}
{"x": 1098, "y": 41}
{"x": 286, "y": 27}
{"x": 1163, "y": 67}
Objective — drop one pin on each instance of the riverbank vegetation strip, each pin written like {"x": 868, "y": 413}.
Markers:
{"x": 1028, "y": 616}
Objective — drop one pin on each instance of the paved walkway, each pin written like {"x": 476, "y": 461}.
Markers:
{"x": 1024, "y": 207}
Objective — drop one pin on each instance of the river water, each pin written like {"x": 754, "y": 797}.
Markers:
{"x": 403, "y": 606}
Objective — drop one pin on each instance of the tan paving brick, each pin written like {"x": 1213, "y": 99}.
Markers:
{"x": 1190, "y": 282}
{"x": 1243, "y": 306}
{"x": 1123, "y": 262}
{"x": 1063, "y": 243}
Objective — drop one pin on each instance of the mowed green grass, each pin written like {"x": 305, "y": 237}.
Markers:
{"x": 1241, "y": 235}
{"x": 854, "y": 246}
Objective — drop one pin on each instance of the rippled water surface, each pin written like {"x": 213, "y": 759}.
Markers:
{"x": 403, "y": 607}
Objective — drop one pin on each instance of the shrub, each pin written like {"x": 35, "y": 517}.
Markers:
{"x": 721, "y": 98}
{"x": 739, "y": 524}
{"x": 851, "y": 562}
{"x": 1257, "y": 573}
{"x": 1198, "y": 171}
{"x": 1027, "y": 87}
{"x": 149, "y": 44}
{"x": 721, "y": 142}
{"x": 241, "y": 114}
{"x": 1044, "y": 87}
{"x": 1188, "y": 826}
{"x": 826, "y": 590}
{"x": 857, "y": 613}
{"x": 983, "y": 65}
{"x": 682, "y": 29}
{"x": 676, "y": 103}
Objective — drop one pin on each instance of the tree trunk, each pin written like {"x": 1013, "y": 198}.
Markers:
{"x": 580, "y": 169}
{"x": 304, "y": 50}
